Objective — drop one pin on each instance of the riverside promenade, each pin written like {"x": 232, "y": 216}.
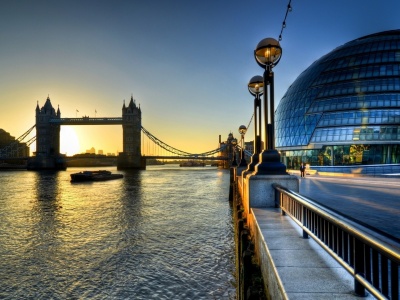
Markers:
{"x": 371, "y": 201}
{"x": 298, "y": 268}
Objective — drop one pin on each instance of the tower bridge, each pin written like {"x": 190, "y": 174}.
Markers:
{"x": 49, "y": 122}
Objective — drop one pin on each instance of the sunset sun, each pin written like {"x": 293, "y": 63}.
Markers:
{"x": 69, "y": 142}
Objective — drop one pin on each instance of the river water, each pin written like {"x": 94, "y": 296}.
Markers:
{"x": 163, "y": 233}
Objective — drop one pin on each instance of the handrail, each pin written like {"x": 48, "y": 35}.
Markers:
{"x": 367, "y": 256}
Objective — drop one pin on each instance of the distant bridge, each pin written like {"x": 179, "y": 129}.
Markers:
{"x": 134, "y": 137}
{"x": 11, "y": 150}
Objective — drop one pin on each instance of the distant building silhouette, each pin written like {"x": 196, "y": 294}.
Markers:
{"x": 10, "y": 147}
{"x": 91, "y": 151}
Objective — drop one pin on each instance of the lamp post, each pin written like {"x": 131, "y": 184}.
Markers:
{"x": 229, "y": 148}
{"x": 233, "y": 144}
{"x": 267, "y": 54}
{"x": 256, "y": 88}
{"x": 242, "y": 131}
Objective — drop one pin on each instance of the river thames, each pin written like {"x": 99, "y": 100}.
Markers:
{"x": 163, "y": 233}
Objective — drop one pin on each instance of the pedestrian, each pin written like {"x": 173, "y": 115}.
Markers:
{"x": 302, "y": 169}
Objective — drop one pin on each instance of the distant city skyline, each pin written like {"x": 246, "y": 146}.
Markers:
{"x": 186, "y": 63}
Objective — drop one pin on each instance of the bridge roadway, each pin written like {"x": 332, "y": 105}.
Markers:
{"x": 87, "y": 121}
{"x": 373, "y": 201}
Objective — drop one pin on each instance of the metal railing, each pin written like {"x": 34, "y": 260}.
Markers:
{"x": 366, "y": 255}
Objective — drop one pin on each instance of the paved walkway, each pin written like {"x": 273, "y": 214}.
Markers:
{"x": 306, "y": 271}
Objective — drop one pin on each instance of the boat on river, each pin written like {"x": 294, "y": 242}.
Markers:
{"x": 100, "y": 175}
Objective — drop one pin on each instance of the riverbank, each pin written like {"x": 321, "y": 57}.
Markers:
{"x": 249, "y": 280}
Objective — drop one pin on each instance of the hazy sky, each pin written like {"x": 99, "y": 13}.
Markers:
{"x": 187, "y": 63}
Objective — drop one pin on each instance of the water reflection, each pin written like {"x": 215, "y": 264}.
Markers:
{"x": 164, "y": 233}
{"x": 45, "y": 208}
{"x": 131, "y": 210}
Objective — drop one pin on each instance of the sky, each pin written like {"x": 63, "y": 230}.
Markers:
{"x": 186, "y": 63}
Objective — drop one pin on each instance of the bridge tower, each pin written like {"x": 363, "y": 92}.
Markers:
{"x": 47, "y": 139}
{"x": 131, "y": 157}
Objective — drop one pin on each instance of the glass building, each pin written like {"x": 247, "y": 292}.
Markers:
{"x": 344, "y": 110}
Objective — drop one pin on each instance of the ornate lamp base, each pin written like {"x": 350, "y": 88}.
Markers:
{"x": 270, "y": 164}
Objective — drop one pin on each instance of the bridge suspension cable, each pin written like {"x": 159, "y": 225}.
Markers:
{"x": 251, "y": 119}
{"x": 13, "y": 146}
{"x": 176, "y": 151}
{"x": 164, "y": 145}
{"x": 23, "y": 136}
{"x": 30, "y": 141}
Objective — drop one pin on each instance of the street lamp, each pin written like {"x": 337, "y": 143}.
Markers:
{"x": 242, "y": 131}
{"x": 267, "y": 54}
{"x": 256, "y": 88}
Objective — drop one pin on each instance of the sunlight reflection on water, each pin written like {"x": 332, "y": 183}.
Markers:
{"x": 163, "y": 233}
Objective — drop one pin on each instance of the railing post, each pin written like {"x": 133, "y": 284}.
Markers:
{"x": 375, "y": 267}
{"x": 394, "y": 280}
{"x": 385, "y": 275}
{"x": 304, "y": 222}
{"x": 359, "y": 266}
{"x": 277, "y": 197}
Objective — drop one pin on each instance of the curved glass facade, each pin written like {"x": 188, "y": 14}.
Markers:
{"x": 345, "y": 108}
